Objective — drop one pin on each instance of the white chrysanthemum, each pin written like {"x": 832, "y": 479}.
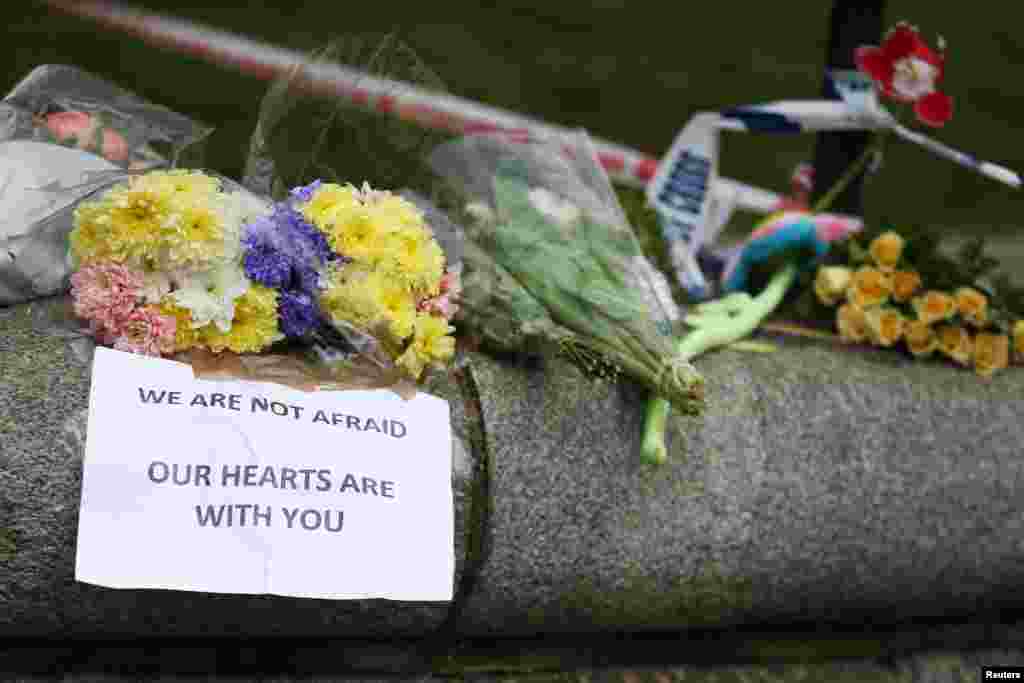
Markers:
{"x": 211, "y": 295}
{"x": 237, "y": 210}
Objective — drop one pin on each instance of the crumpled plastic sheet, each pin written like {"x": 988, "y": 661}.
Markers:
{"x": 33, "y": 258}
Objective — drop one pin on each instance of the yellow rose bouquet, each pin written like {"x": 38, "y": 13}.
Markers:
{"x": 901, "y": 290}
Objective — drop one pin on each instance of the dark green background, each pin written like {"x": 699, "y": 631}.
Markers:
{"x": 628, "y": 71}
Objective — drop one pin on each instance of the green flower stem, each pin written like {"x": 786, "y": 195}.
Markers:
{"x": 736, "y": 316}
{"x": 852, "y": 171}
{"x": 713, "y": 335}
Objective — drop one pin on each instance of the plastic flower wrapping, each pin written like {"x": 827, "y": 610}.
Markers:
{"x": 554, "y": 261}
{"x": 65, "y": 134}
{"x": 549, "y": 261}
{"x": 70, "y": 107}
{"x": 186, "y": 264}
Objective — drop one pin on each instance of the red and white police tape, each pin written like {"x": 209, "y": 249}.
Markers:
{"x": 406, "y": 101}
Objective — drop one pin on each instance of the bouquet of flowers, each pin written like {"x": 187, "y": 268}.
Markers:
{"x": 554, "y": 262}
{"x": 188, "y": 264}
{"x": 900, "y": 290}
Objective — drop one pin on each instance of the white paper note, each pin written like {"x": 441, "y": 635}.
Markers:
{"x": 251, "y": 487}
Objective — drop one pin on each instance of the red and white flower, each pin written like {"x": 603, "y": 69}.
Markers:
{"x": 909, "y": 71}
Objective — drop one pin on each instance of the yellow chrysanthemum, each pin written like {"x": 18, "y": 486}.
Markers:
{"x": 396, "y": 305}
{"x": 412, "y": 256}
{"x": 254, "y": 326}
{"x": 162, "y": 220}
{"x": 991, "y": 353}
{"x": 432, "y": 343}
{"x": 88, "y": 238}
{"x": 358, "y": 233}
{"x": 1018, "y": 338}
{"x": 179, "y": 181}
{"x": 185, "y": 335}
{"x": 123, "y": 226}
{"x": 396, "y": 211}
{"x": 395, "y": 263}
{"x": 329, "y": 198}
{"x": 366, "y": 299}
{"x": 347, "y": 297}
{"x": 195, "y": 237}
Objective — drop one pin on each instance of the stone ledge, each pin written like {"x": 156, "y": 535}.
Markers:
{"x": 820, "y": 485}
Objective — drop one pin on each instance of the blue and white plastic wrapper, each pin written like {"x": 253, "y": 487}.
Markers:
{"x": 857, "y": 108}
{"x": 680, "y": 193}
{"x": 694, "y": 203}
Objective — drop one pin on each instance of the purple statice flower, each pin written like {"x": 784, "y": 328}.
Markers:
{"x": 284, "y": 251}
{"x": 267, "y": 266}
{"x": 297, "y": 312}
{"x": 305, "y": 193}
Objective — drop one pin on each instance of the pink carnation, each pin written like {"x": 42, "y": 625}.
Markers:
{"x": 440, "y": 305}
{"x": 444, "y": 304}
{"x": 105, "y": 294}
{"x": 450, "y": 283}
{"x": 147, "y": 333}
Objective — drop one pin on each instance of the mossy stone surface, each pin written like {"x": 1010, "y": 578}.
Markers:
{"x": 584, "y": 537}
{"x": 820, "y": 485}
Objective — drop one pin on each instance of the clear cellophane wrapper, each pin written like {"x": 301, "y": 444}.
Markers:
{"x": 551, "y": 257}
{"x": 66, "y": 134}
{"x": 68, "y": 106}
